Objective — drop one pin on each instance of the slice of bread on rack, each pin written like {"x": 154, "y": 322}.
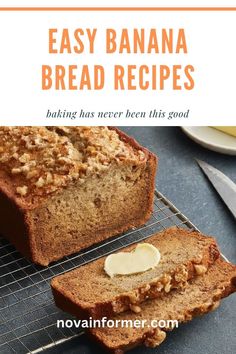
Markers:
{"x": 200, "y": 295}
{"x": 89, "y": 291}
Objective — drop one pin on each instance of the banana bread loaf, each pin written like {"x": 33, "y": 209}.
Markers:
{"x": 64, "y": 189}
{"x": 89, "y": 291}
{"x": 201, "y": 295}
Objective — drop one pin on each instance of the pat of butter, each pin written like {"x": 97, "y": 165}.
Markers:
{"x": 144, "y": 257}
{"x": 227, "y": 130}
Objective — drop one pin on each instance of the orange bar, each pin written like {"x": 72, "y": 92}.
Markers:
{"x": 117, "y": 8}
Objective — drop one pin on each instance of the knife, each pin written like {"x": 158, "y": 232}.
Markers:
{"x": 223, "y": 185}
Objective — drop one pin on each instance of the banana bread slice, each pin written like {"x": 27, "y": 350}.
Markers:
{"x": 201, "y": 295}
{"x": 65, "y": 189}
{"x": 89, "y": 291}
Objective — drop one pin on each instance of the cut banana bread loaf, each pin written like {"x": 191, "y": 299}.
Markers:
{"x": 89, "y": 291}
{"x": 64, "y": 189}
{"x": 201, "y": 295}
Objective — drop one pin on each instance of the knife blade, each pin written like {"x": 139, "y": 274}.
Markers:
{"x": 225, "y": 187}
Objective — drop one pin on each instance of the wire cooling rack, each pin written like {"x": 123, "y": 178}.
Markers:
{"x": 28, "y": 315}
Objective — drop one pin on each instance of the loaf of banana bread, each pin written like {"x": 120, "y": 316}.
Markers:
{"x": 63, "y": 189}
{"x": 89, "y": 291}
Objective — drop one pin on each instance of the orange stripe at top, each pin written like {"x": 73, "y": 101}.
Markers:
{"x": 117, "y": 9}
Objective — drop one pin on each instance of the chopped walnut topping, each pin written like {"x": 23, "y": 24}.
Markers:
{"x": 159, "y": 286}
{"x": 31, "y": 174}
{"x": 145, "y": 288}
{"x": 166, "y": 279}
{"x": 135, "y": 308}
{"x": 24, "y": 158}
{"x": 200, "y": 269}
{"x": 47, "y": 159}
{"x": 167, "y": 287}
{"x": 15, "y": 155}
{"x": 22, "y": 190}
{"x": 198, "y": 259}
{"x": 155, "y": 339}
{"x": 40, "y": 182}
{"x": 14, "y": 171}
{"x": 118, "y": 307}
{"x": 25, "y": 169}
{"x": 181, "y": 275}
{"x": 49, "y": 178}
{"x": 134, "y": 297}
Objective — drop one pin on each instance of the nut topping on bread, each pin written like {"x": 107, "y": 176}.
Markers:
{"x": 157, "y": 337}
{"x": 39, "y": 158}
{"x": 200, "y": 269}
{"x": 46, "y": 159}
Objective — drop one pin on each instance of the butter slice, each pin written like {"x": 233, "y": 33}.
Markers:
{"x": 227, "y": 130}
{"x": 144, "y": 257}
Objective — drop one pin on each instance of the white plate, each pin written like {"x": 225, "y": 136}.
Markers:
{"x": 212, "y": 139}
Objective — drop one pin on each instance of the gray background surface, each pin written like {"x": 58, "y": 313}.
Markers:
{"x": 180, "y": 180}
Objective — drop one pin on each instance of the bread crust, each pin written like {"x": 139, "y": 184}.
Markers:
{"x": 17, "y": 224}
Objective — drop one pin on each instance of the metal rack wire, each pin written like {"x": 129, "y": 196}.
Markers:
{"x": 28, "y": 314}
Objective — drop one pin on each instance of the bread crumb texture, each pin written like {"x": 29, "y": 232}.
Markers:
{"x": 42, "y": 160}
